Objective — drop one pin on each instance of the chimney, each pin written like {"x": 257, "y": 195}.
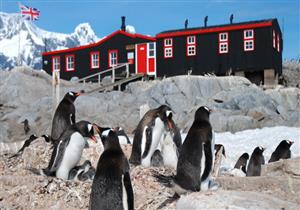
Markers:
{"x": 123, "y": 26}
{"x": 231, "y": 18}
{"x": 205, "y": 21}
{"x": 186, "y": 22}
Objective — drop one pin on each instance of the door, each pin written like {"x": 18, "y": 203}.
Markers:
{"x": 141, "y": 58}
{"x": 146, "y": 58}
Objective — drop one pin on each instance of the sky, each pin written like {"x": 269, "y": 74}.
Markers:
{"x": 153, "y": 16}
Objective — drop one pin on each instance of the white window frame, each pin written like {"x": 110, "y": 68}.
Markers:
{"x": 278, "y": 43}
{"x": 246, "y": 34}
{"x": 191, "y": 50}
{"x": 113, "y": 61}
{"x": 168, "y": 52}
{"x": 252, "y": 45}
{"x": 56, "y": 63}
{"x": 191, "y": 40}
{"x": 223, "y": 47}
{"x": 95, "y": 61}
{"x": 168, "y": 42}
{"x": 274, "y": 39}
{"x": 151, "y": 50}
{"x": 222, "y": 38}
{"x": 70, "y": 62}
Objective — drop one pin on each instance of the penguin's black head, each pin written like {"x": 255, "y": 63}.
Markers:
{"x": 165, "y": 113}
{"x": 286, "y": 143}
{"x": 46, "y": 137}
{"x": 72, "y": 95}
{"x": 33, "y": 137}
{"x": 110, "y": 139}
{"x": 25, "y": 121}
{"x": 259, "y": 150}
{"x": 245, "y": 156}
{"x": 86, "y": 129}
{"x": 202, "y": 113}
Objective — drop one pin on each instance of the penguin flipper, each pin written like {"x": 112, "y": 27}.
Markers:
{"x": 148, "y": 141}
{"x": 129, "y": 190}
{"x": 167, "y": 181}
{"x": 57, "y": 155}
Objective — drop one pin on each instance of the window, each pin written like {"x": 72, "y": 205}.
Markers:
{"x": 95, "y": 60}
{"x": 55, "y": 63}
{"x": 191, "y": 46}
{"x": 70, "y": 62}
{"x": 248, "y": 40}
{"x": 274, "y": 39}
{"x": 278, "y": 43}
{"x": 168, "y": 52}
{"x": 168, "y": 48}
{"x": 223, "y": 43}
{"x": 113, "y": 58}
{"x": 151, "y": 49}
{"x": 168, "y": 42}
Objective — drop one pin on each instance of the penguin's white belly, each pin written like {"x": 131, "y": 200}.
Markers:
{"x": 202, "y": 162}
{"x": 71, "y": 156}
{"x": 169, "y": 151}
{"x": 124, "y": 195}
{"x": 157, "y": 132}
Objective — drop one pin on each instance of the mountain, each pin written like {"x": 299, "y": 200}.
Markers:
{"x": 19, "y": 35}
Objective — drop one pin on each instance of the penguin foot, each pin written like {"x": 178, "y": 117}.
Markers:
{"x": 213, "y": 185}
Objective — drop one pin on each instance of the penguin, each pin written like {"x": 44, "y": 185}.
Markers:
{"x": 68, "y": 151}
{"x": 64, "y": 115}
{"x": 26, "y": 144}
{"x": 26, "y": 126}
{"x": 242, "y": 162}
{"x": 195, "y": 158}
{"x": 157, "y": 159}
{"x": 121, "y": 135}
{"x": 282, "y": 151}
{"x": 255, "y": 162}
{"x": 148, "y": 134}
{"x": 82, "y": 172}
{"x": 217, "y": 147}
{"x": 111, "y": 187}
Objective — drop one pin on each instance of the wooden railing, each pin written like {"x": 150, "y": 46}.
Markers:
{"x": 112, "y": 70}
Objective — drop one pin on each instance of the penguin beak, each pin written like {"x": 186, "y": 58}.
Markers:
{"x": 94, "y": 139}
{"x": 170, "y": 125}
{"x": 96, "y": 127}
{"x": 292, "y": 142}
{"x": 77, "y": 94}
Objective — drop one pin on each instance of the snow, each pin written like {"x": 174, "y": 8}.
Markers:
{"x": 130, "y": 29}
{"x": 245, "y": 141}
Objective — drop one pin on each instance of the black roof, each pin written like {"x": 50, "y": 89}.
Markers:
{"x": 215, "y": 26}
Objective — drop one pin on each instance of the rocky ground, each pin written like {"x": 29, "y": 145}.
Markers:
{"x": 277, "y": 188}
{"x": 237, "y": 104}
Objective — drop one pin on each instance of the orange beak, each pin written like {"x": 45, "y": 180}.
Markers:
{"x": 77, "y": 94}
{"x": 96, "y": 127}
{"x": 94, "y": 139}
{"x": 170, "y": 125}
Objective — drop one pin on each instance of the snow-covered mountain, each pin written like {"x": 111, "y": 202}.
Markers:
{"x": 21, "y": 37}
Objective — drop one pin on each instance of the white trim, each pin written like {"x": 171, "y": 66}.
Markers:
{"x": 245, "y": 45}
{"x": 168, "y": 44}
{"x": 224, "y": 39}
{"x": 136, "y": 58}
{"x": 93, "y": 60}
{"x": 168, "y": 52}
{"x": 247, "y": 36}
{"x": 56, "y": 63}
{"x": 188, "y": 51}
{"x": 70, "y": 62}
{"x": 223, "y": 50}
{"x": 193, "y": 38}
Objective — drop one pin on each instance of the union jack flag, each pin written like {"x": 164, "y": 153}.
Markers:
{"x": 29, "y": 13}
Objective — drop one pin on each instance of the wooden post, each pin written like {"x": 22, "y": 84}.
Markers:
{"x": 55, "y": 90}
{"x": 127, "y": 70}
{"x": 113, "y": 75}
{"x": 217, "y": 163}
{"x": 99, "y": 79}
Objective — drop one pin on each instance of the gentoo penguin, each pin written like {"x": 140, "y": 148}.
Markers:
{"x": 82, "y": 172}
{"x": 67, "y": 152}
{"x": 111, "y": 188}
{"x": 157, "y": 159}
{"x": 282, "y": 151}
{"x": 255, "y": 162}
{"x": 26, "y": 126}
{"x": 195, "y": 157}
{"x": 64, "y": 115}
{"x": 241, "y": 163}
{"x": 218, "y": 147}
{"x": 26, "y": 144}
{"x": 148, "y": 134}
{"x": 121, "y": 135}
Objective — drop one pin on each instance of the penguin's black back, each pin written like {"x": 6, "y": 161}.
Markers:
{"x": 189, "y": 161}
{"x": 107, "y": 188}
{"x": 281, "y": 152}
{"x": 241, "y": 163}
{"x": 255, "y": 162}
{"x": 62, "y": 118}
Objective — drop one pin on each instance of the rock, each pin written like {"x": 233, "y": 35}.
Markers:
{"x": 283, "y": 167}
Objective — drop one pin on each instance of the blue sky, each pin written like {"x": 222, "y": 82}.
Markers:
{"x": 151, "y": 17}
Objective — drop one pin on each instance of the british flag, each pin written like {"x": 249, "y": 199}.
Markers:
{"x": 29, "y": 13}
